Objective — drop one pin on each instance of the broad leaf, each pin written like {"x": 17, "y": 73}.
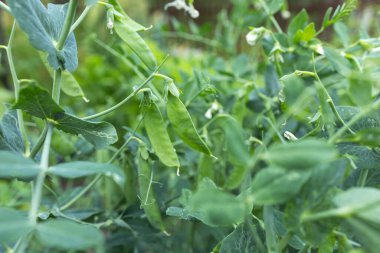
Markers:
{"x": 212, "y": 206}
{"x": 68, "y": 235}
{"x": 275, "y": 186}
{"x": 43, "y": 27}
{"x": 338, "y": 62}
{"x": 299, "y": 22}
{"x": 10, "y": 136}
{"x": 301, "y": 155}
{"x": 13, "y": 225}
{"x": 83, "y": 169}
{"x": 14, "y": 165}
{"x": 241, "y": 240}
{"x": 37, "y": 102}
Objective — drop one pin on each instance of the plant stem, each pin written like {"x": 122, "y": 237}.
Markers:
{"x": 354, "y": 119}
{"x": 362, "y": 178}
{"x": 16, "y": 85}
{"x": 329, "y": 99}
{"x": 80, "y": 19}
{"x": 56, "y": 91}
{"x": 5, "y": 7}
{"x": 67, "y": 24}
{"x": 39, "y": 143}
{"x": 37, "y": 191}
{"x": 113, "y": 108}
{"x": 272, "y": 19}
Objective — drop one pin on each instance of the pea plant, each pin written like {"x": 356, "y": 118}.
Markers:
{"x": 269, "y": 143}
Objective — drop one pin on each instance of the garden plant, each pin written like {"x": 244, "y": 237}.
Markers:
{"x": 263, "y": 137}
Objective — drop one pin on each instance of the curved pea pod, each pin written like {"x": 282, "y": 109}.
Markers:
{"x": 159, "y": 137}
{"x": 181, "y": 121}
{"x": 134, "y": 41}
{"x": 147, "y": 196}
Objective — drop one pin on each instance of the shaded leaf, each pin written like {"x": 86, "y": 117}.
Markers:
{"x": 14, "y": 165}
{"x": 13, "y": 225}
{"x": 68, "y": 235}
{"x": 43, "y": 27}
{"x": 275, "y": 186}
{"x": 10, "y": 136}
{"x": 84, "y": 168}
{"x": 37, "y": 102}
{"x": 301, "y": 155}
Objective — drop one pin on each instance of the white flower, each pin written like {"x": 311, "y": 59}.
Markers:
{"x": 254, "y": 35}
{"x": 182, "y": 5}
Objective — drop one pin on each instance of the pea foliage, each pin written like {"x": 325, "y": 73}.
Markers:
{"x": 267, "y": 142}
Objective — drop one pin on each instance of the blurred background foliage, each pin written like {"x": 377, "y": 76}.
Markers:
{"x": 208, "y": 54}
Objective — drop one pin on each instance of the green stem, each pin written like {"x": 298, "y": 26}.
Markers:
{"x": 56, "y": 91}
{"x": 329, "y": 99}
{"x": 354, "y": 119}
{"x": 37, "y": 191}
{"x": 5, "y": 7}
{"x": 80, "y": 19}
{"x": 16, "y": 85}
{"x": 118, "y": 105}
{"x": 362, "y": 177}
{"x": 272, "y": 19}
{"x": 39, "y": 143}
{"x": 67, "y": 24}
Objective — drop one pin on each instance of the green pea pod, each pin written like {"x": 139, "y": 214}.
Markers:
{"x": 183, "y": 125}
{"x": 147, "y": 196}
{"x": 135, "y": 43}
{"x": 159, "y": 137}
{"x": 130, "y": 184}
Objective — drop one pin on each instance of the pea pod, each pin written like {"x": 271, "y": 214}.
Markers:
{"x": 135, "y": 43}
{"x": 147, "y": 196}
{"x": 183, "y": 125}
{"x": 159, "y": 137}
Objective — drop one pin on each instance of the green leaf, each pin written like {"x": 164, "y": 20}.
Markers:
{"x": 338, "y": 62}
{"x": 10, "y": 136}
{"x": 363, "y": 203}
{"x": 214, "y": 207}
{"x": 275, "y": 6}
{"x": 275, "y": 185}
{"x": 84, "y": 168}
{"x": 362, "y": 156}
{"x": 241, "y": 240}
{"x": 340, "y": 12}
{"x": 371, "y": 120}
{"x": 37, "y": 102}
{"x": 360, "y": 89}
{"x": 305, "y": 35}
{"x": 68, "y": 235}
{"x": 183, "y": 124}
{"x": 14, "y": 165}
{"x": 366, "y": 137}
{"x": 13, "y": 225}
{"x": 43, "y": 27}
{"x": 235, "y": 140}
{"x": 361, "y": 208}
{"x": 134, "y": 41}
{"x": 299, "y": 22}
{"x": 301, "y": 155}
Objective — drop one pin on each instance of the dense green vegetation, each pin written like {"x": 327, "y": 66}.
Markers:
{"x": 249, "y": 135}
